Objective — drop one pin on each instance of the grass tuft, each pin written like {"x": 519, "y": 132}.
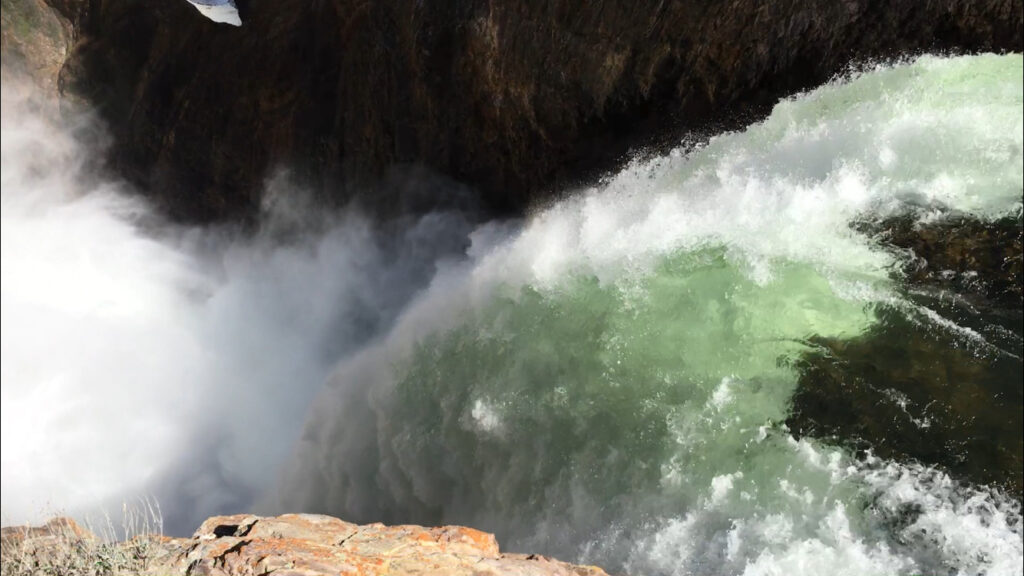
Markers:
{"x": 62, "y": 547}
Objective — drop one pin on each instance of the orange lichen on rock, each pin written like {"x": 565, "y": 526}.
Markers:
{"x": 314, "y": 545}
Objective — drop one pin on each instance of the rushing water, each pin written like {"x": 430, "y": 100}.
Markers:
{"x": 608, "y": 381}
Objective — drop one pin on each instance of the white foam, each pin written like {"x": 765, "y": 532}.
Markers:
{"x": 224, "y": 13}
{"x": 775, "y": 200}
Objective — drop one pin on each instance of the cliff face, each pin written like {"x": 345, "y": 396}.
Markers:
{"x": 515, "y": 98}
{"x": 293, "y": 544}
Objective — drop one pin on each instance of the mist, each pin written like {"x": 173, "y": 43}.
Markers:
{"x": 144, "y": 359}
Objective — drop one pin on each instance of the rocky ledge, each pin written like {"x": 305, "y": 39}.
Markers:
{"x": 293, "y": 544}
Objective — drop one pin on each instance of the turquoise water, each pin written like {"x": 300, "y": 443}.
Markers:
{"x": 609, "y": 380}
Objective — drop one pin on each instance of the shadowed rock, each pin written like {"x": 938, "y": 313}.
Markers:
{"x": 515, "y": 98}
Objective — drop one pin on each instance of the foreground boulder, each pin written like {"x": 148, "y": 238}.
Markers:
{"x": 293, "y": 544}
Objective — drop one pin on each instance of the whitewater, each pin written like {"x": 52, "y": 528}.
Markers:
{"x": 606, "y": 380}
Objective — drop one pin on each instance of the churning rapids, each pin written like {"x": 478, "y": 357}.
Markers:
{"x": 607, "y": 381}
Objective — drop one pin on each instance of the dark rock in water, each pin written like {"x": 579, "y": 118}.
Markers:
{"x": 913, "y": 388}
{"x": 906, "y": 393}
{"x": 962, "y": 254}
{"x": 515, "y": 98}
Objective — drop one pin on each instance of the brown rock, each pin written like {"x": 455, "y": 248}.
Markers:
{"x": 59, "y": 527}
{"x": 34, "y": 41}
{"x": 516, "y": 98}
{"x": 312, "y": 545}
{"x": 60, "y": 546}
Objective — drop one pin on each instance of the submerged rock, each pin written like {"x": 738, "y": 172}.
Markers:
{"x": 975, "y": 258}
{"x": 294, "y": 544}
{"x": 940, "y": 383}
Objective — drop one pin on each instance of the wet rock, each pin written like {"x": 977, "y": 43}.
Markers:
{"x": 515, "y": 98}
{"x": 906, "y": 391}
{"x": 938, "y": 381}
{"x": 961, "y": 254}
{"x": 313, "y": 545}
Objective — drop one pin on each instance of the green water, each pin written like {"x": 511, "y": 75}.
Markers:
{"x": 610, "y": 381}
{"x": 620, "y": 388}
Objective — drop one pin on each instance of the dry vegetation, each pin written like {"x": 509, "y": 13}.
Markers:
{"x": 62, "y": 547}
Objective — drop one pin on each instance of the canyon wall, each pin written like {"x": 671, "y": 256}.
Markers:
{"x": 517, "y": 99}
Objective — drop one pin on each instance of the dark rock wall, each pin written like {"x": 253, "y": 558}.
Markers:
{"x": 514, "y": 98}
